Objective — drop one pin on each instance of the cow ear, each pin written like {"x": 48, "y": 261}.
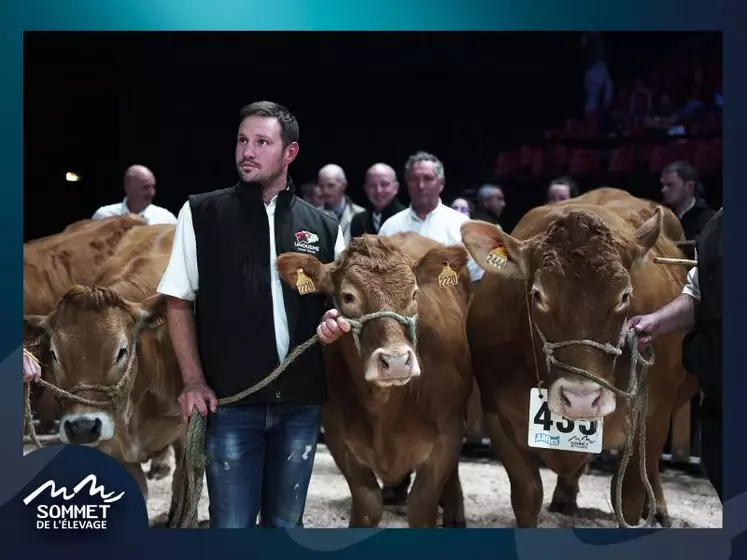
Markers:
{"x": 150, "y": 313}
{"x": 433, "y": 263}
{"x": 305, "y": 273}
{"x": 493, "y": 249}
{"x": 36, "y": 327}
{"x": 647, "y": 235}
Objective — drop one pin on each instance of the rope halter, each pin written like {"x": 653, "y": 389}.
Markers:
{"x": 356, "y": 324}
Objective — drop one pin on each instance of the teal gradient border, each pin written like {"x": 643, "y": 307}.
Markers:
{"x": 384, "y": 15}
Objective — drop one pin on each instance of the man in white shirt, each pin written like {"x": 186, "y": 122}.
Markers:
{"x": 427, "y": 214}
{"x": 140, "y": 189}
{"x": 232, "y": 320}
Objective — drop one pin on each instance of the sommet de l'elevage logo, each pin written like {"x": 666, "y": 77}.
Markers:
{"x": 58, "y": 515}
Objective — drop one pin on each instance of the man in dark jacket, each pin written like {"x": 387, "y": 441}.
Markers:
{"x": 698, "y": 310}
{"x": 232, "y": 320}
{"x": 381, "y": 187}
{"x": 679, "y": 189}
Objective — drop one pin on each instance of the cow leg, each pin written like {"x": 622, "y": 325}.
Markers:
{"x": 452, "y": 500}
{"x": 633, "y": 491}
{"x": 523, "y": 473}
{"x": 564, "y": 499}
{"x": 136, "y": 471}
{"x": 159, "y": 464}
{"x": 367, "y": 505}
{"x": 430, "y": 478}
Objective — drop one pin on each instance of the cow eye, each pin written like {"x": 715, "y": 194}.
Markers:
{"x": 625, "y": 299}
{"x": 122, "y": 353}
{"x": 347, "y": 297}
{"x": 537, "y": 297}
{"x": 415, "y": 293}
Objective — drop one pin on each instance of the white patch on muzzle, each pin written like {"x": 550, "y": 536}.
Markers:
{"x": 392, "y": 367}
{"x": 581, "y": 400}
{"x": 98, "y": 426}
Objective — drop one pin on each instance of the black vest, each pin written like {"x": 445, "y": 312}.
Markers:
{"x": 234, "y": 306}
{"x": 702, "y": 348}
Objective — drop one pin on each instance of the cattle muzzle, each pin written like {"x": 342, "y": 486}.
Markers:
{"x": 92, "y": 427}
{"x": 592, "y": 397}
{"x": 389, "y": 367}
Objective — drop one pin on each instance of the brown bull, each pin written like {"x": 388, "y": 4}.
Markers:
{"x": 631, "y": 208}
{"x": 570, "y": 272}
{"x": 114, "y": 334}
{"x": 397, "y": 404}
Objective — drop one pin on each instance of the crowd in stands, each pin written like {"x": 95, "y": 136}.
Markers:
{"x": 671, "y": 113}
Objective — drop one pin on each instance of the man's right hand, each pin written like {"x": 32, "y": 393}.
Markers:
{"x": 197, "y": 395}
{"x": 647, "y": 326}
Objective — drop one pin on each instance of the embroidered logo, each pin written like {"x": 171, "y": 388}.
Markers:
{"x": 307, "y": 242}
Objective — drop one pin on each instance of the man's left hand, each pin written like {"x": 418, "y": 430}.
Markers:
{"x": 332, "y": 327}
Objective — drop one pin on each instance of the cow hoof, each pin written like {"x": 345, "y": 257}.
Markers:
{"x": 158, "y": 472}
{"x": 563, "y": 508}
{"x": 393, "y": 497}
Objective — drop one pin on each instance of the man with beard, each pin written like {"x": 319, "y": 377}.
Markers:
{"x": 381, "y": 188}
{"x": 261, "y": 449}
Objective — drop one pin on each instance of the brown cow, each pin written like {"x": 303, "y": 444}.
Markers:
{"x": 582, "y": 270}
{"x": 89, "y": 338}
{"x": 396, "y": 406}
{"x": 54, "y": 263}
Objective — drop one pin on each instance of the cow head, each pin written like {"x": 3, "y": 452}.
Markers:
{"x": 578, "y": 287}
{"x": 373, "y": 275}
{"x": 88, "y": 339}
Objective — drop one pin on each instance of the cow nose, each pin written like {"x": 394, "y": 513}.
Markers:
{"x": 581, "y": 403}
{"x": 393, "y": 366}
{"x": 83, "y": 430}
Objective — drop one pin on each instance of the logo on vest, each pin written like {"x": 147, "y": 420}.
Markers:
{"x": 307, "y": 242}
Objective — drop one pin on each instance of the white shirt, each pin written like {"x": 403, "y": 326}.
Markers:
{"x": 692, "y": 286}
{"x": 152, "y": 214}
{"x": 181, "y": 278}
{"x": 441, "y": 225}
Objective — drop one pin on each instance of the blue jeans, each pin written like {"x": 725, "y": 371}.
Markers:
{"x": 260, "y": 459}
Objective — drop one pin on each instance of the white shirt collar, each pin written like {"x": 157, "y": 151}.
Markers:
{"x": 413, "y": 215}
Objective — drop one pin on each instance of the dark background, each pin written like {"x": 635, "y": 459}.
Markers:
{"x": 95, "y": 103}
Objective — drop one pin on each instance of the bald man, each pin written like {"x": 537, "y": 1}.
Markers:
{"x": 381, "y": 187}
{"x": 140, "y": 189}
{"x": 333, "y": 182}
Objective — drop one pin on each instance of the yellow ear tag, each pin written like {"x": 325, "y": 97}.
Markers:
{"x": 447, "y": 277}
{"x": 497, "y": 257}
{"x": 304, "y": 284}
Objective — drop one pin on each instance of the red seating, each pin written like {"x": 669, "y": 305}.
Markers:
{"x": 507, "y": 164}
{"x": 660, "y": 158}
{"x": 622, "y": 160}
{"x": 584, "y": 162}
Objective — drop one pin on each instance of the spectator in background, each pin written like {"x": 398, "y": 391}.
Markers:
{"x": 333, "y": 182}
{"x": 312, "y": 193}
{"x": 562, "y": 188}
{"x": 679, "y": 189}
{"x": 140, "y": 190}
{"x": 490, "y": 204}
{"x": 462, "y": 205}
{"x": 597, "y": 79}
{"x": 381, "y": 188}
{"x": 664, "y": 116}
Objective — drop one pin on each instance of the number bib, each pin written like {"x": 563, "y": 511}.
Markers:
{"x": 552, "y": 431}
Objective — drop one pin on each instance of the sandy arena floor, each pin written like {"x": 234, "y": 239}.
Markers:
{"x": 692, "y": 501}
